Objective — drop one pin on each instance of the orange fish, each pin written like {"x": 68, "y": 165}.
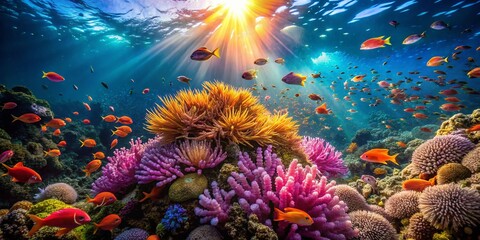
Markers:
{"x": 401, "y": 144}
{"x": 99, "y": 155}
{"x": 9, "y": 105}
{"x": 154, "y": 193}
{"x": 378, "y": 155}
{"x": 379, "y": 171}
{"x": 88, "y": 143}
{"x": 436, "y": 61}
{"x": 66, "y": 219}
{"x": 102, "y": 199}
{"x": 67, "y": 119}
{"x": 114, "y": 143}
{"x": 450, "y": 107}
{"x": 20, "y": 173}
{"x": 293, "y": 215}
{"x": 86, "y": 121}
{"x": 420, "y": 116}
{"x": 43, "y": 128}
{"x": 53, "y": 76}
{"x": 87, "y": 106}
{"x": 322, "y": 109}
{"x": 57, "y": 132}
{"x": 126, "y": 129}
{"x": 109, "y": 118}
{"x": 417, "y": 184}
{"x": 56, "y": 123}
{"x": 53, "y": 153}
{"x": 448, "y": 92}
{"x": 358, "y": 78}
{"x": 119, "y": 133}
{"x": 108, "y": 223}
{"x": 153, "y": 237}
{"x": 62, "y": 144}
{"x": 452, "y": 99}
{"x": 75, "y": 113}
{"x": 474, "y": 73}
{"x": 91, "y": 167}
{"x": 27, "y": 118}
{"x": 373, "y": 43}
{"x": 125, "y": 120}
{"x": 474, "y": 128}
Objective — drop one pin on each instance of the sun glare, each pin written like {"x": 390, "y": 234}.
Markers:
{"x": 237, "y": 7}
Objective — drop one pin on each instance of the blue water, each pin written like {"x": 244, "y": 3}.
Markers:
{"x": 132, "y": 45}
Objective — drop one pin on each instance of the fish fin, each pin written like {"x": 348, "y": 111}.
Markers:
{"x": 15, "y": 180}
{"x": 7, "y": 167}
{"x": 387, "y": 41}
{"x": 19, "y": 164}
{"x": 62, "y": 232}
{"x": 81, "y": 142}
{"x": 216, "y": 52}
{"x": 381, "y": 150}
{"x": 423, "y": 34}
{"x": 203, "y": 48}
{"x": 38, "y": 224}
{"x": 279, "y": 215}
{"x": 433, "y": 180}
{"x": 147, "y": 196}
{"x": 96, "y": 228}
{"x": 15, "y": 118}
{"x": 87, "y": 173}
{"x": 288, "y": 209}
{"x": 46, "y": 153}
{"x": 380, "y": 37}
{"x": 393, "y": 159}
{"x": 89, "y": 199}
{"x": 44, "y": 74}
{"x": 446, "y": 59}
{"x": 113, "y": 132}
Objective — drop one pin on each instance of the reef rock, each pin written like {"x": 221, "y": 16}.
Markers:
{"x": 187, "y": 187}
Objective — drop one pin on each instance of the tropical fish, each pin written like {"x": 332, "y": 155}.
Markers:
{"x": 474, "y": 73}
{"x": 425, "y": 129}
{"x": 294, "y": 78}
{"x": 88, "y": 143}
{"x": 417, "y": 184}
{"x": 379, "y": 171}
{"x": 111, "y": 108}
{"x": 280, "y": 61}
{"x": 153, "y": 194}
{"x": 126, "y": 129}
{"x": 315, "y": 97}
{"x": 87, "y": 106}
{"x": 98, "y": 155}
{"x": 57, "y": 132}
{"x": 104, "y": 85}
{"x": 420, "y": 116}
{"x": 53, "y": 153}
{"x": 439, "y": 25}
{"x": 75, "y": 87}
{"x": 401, "y": 144}
{"x": 56, "y": 123}
{"x": 249, "y": 74}
{"x": 293, "y": 215}
{"x": 62, "y": 143}
{"x": 113, "y": 143}
{"x": 153, "y": 237}
{"x": 102, "y": 199}
{"x": 53, "y": 76}
{"x": 394, "y": 23}
{"x": 260, "y": 61}
{"x": 378, "y": 155}
{"x": 108, "y": 223}
{"x": 452, "y": 99}
{"x": 474, "y": 128}
{"x": 450, "y": 107}
{"x": 358, "y": 78}
{"x": 119, "y": 133}
{"x": 413, "y": 38}
{"x": 203, "y": 54}
{"x": 20, "y": 173}
{"x": 6, "y": 155}
{"x": 86, "y": 121}
{"x": 462, "y": 47}
{"x": 109, "y": 118}
{"x": 436, "y": 61}
{"x": 316, "y": 75}
{"x": 92, "y": 166}
{"x": 449, "y": 92}
{"x": 146, "y": 90}
{"x": 27, "y": 118}
{"x": 66, "y": 219}
{"x": 43, "y": 128}
{"x": 67, "y": 119}
{"x": 125, "y": 120}
{"x": 374, "y": 43}
{"x": 90, "y": 98}
{"x": 184, "y": 79}
{"x": 9, "y": 105}
{"x": 370, "y": 180}
{"x": 322, "y": 109}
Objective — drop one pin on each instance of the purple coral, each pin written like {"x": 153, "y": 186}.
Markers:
{"x": 199, "y": 155}
{"x": 119, "y": 172}
{"x": 329, "y": 161}
{"x": 215, "y": 206}
{"x": 159, "y": 163}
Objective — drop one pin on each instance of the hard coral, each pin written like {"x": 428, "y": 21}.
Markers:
{"x": 472, "y": 160}
{"x": 187, "y": 187}
{"x": 220, "y": 112}
{"x": 329, "y": 161}
{"x": 351, "y": 197}
{"x": 452, "y": 172}
{"x": 14, "y": 225}
{"x": 450, "y": 206}
{"x": 402, "y": 204}
{"x": 372, "y": 226}
{"x": 22, "y": 205}
{"x": 133, "y": 233}
{"x": 60, "y": 191}
{"x": 419, "y": 228}
{"x": 214, "y": 207}
{"x": 434, "y": 153}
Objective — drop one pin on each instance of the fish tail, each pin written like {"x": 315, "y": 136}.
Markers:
{"x": 6, "y": 166}
{"x": 446, "y": 59}
{"x": 89, "y": 199}
{"x": 279, "y": 215}
{"x": 96, "y": 228}
{"x": 423, "y": 34}
{"x": 46, "y": 153}
{"x": 14, "y": 118}
{"x": 87, "y": 173}
{"x": 147, "y": 196}
{"x": 433, "y": 180}
{"x": 216, "y": 52}
{"x": 393, "y": 159}
{"x": 44, "y": 74}
{"x": 113, "y": 133}
{"x": 38, "y": 224}
{"x": 387, "y": 41}
{"x": 83, "y": 143}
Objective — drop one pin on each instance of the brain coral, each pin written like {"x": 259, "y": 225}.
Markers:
{"x": 402, "y": 204}
{"x": 351, "y": 197}
{"x": 133, "y": 233}
{"x": 450, "y": 206}
{"x": 419, "y": 228}
{"x": 440, "y": 150}
{"x": 472, "y": 160}
{"x": 60, "y": 191}
{"x": 452, "y": 172}
{"x": 372, "y": 226}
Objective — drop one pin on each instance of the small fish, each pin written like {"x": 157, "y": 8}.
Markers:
{"x": 146, "y": 90}
{"x": 260, "y": 61}
{"x": 316, "y": 75}
{"x": 57, "y": 132}
{"x": 450, "y": 107}
{"x": 98, "y": 155}
{"x": 425, "y": 129}
{"x": 420, "y": 116}
{"x": 249, "y": 74}
{"x": 294, "y": 78}
{"x": 62, "y": 143}
{"x": 374, "y": 43}
{"x": 104, "y": 85}
{"x": 379, "y": 171}
{"x": 87, "y": 106}
{"x": 474, "y": 73}
{"x": 56, "y": 123}
{"x": 6, "y": 155}
{"x": 153, "y": 237}
{"x": 125, "y": 120}
{"x": 43, "y": 128}
{"x": 394, "y": 23}
{"x": 92, "y": 166}
{"x": 280, "y": 61}
{"x": 293, "y": 215}
{"x": 9, "y": 105}
{"x": 413, "y": 38}
{"x": 102, "y": 199}
{"x": 378, "y": 155}
{"x": 111, "y": 108}
{"x": 126, "y": 129}
{"x": 439, "y": 25}
{"x": 90, "y": 98}
{"x": 53, "y": 76}
{"x": 184, "y": 79}
{"x": 109, "y": 118}
{"x": 401, "y": 144}
{"x": 452, "y": 99}
{"x": 462, "y": 47}
{"x": 449, "y": 92}
{"x": 322, "y": 109}
{"x": 119, "y": 133}
{"x": 27, "y": 118}
{"x": 417, "y": 184}
{"x": 75, "y": 113}
{"x": 108, "y": 223}
{"x": 474, "y": 128}
{"x": 66, "y": 219}
{"x": 22, "y": 174}
{"x": 153, "y": 194}
{"x": 203, "y": 54}
{"x": 436, "y": 61}
{"x": 86, "y": 121}
{"x": 370, "y": 180}
{"x": 113, "y": 143}
{"x": 52, "y": 153}
{"x": 75, "y": 87}
{"x": 315, "y": 97}
{"x": 91, "y": 69}
{"x": 88, "y": 143}
{"x": 358, "y": 78}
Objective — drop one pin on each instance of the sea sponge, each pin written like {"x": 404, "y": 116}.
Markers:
{"x": 187, "y": 187}
{"x": 14, "y": 225}
{"x": 380, "y": 210}
{"x": 472, "y": 160}
{"x": 372, "y": 226}
{"x": 351, "y": 197}
{"x": 440, "y": 150}
{"x": 22, "y": 205}
{"x": 452, "y": 172}
{"x": 44, "y": 208}
{"x": 60, "y": 191}
{"x": 419, "y": 228}
{"x": 450, "y": 206}
{"x": 133, "y": 233}
{"x": 402, "y": 204}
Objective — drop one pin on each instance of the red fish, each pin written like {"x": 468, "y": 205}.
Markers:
{"x": 322, "y": 109}
{"x": 474, "y": 128}
{"x": 452, "y": 99}
{"x": 409, "y": 110}
{"x": 417, "y": 184}
{"x": 52, "y": 153}
{"x": 27, "y": 118}
{"x": 57, "y": 132}
{"x": 53, "y": 76}
{"x": 108, "y": 223}
{"x": 373, "y": 43}
{"x": 98, "y": 155}
{"x": 146, "y": 90}
{"x": 87, "y": 106}
{"x": 62, "y": 144}
{"x": 20, "y": 173}
{"x": 449, "y": 92}
{"x": 66, "y": 219}
{"x": 125, "y": 120}
{"x": 9, "y": 105}
{"x": 86, "y": 121}
{"x": 56, "y": 123}
{"x": 378, "y": 155}
{"x": 67, "y": 119}
{"x": 450, "y": 107}
{"x": 436, "y": 61}
{"x": 119, "y": 133}
{"x": 102, "y": 199}
{"x": 154, "y": 193}
{"x": 425, "y": 129}
{"x": 126, "y": 129}
{"x": 420, "y": 116}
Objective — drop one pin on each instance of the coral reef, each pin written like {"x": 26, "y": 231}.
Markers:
{"x": 187, "y": 187}
{"x": 402, "y": 204}
{"x": 14, "y": 225}
{"x": 22, "y": 205}
{"x": 60, "y": 191}
{"x": 44, "y": 208}
{"x": 419, "y": 228}
{"x": 199, "y": 155}
{"x": 452, "y": 172}
{"x": 372, "y": 226}
{"x": 461, "y": 121}
{"x": 174, "y": 218}
{"x": 237, "y": 223}
{"x": 472, "y": 160}
{"x": 351, "y": 197}
{"x": 214, "y": 207}
{"x": 134, "y": 233}
{"x": 329, "y": 161}
{"x": 205, "y": 232}
{"x": 260, "y": 231}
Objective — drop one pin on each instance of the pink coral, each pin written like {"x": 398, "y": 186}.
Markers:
{"x": 329, "y": 161}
